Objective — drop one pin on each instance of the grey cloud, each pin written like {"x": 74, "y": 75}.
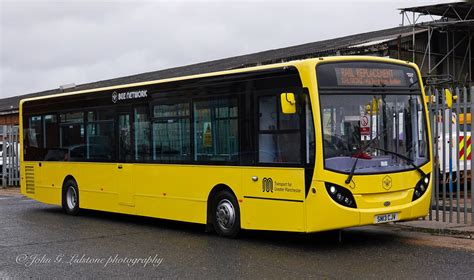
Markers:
{"x": 48, "y": 43}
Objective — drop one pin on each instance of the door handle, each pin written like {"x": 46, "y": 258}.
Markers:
{"x": 120, "y": 166}
{"x": 255, "y": 178}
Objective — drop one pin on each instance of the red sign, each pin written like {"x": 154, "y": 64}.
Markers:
{"x": 364, "y": 126}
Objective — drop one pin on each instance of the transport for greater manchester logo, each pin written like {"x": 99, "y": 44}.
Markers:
{"x": 267, "y": 185}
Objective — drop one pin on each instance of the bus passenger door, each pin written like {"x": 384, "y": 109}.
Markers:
{"x": 274, "y": 189}
{"x": 124, "y": 167}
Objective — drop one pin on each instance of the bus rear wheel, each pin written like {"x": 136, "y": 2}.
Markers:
{"x": 226, "y": 214}
{"x": 70, "y": 197}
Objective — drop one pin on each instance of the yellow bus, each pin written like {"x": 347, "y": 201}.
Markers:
{"x": 301, "y": 146}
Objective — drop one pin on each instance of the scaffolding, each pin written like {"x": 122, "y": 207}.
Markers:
{"x": 451, "y": 25}
{"x": 443, "y": 53}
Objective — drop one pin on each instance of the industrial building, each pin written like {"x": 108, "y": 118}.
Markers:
{"x": 436, "y": 37}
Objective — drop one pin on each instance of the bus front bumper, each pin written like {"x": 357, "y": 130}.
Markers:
{"x": 336, "y": 216}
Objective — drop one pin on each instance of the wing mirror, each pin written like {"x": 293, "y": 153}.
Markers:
{"x": 288, "y": 103}
{"x": 449, "y": 98}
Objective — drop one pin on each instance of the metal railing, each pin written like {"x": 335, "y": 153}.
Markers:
{"x": 451, "y": 128}
{"x": 10, "y": 156}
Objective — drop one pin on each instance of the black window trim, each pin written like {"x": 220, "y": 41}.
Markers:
{"x": 300, "y": 92}
{"x": 172, "y": 101}
{"x": 185, "y": 89}
{"x": 230, "y": 96}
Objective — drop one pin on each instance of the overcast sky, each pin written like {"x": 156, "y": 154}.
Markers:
{"x": 45, "y": 44}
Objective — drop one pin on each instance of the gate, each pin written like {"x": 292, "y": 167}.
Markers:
{"x": 10, "y": 156}
{"x": 451, "y": 127}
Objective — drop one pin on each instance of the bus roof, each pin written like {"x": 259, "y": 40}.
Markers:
{"x": 296, "y": 63}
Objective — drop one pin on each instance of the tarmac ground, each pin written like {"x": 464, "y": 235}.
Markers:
{"x": 40, "y": 241}
{"x": 463, "y": 229}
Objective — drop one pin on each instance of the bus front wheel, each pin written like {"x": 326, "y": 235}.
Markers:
{"x": 226, "y": 214}
{"x": 70, "y": 197}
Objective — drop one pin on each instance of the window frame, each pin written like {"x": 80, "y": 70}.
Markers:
{"x": 300, "y": 94}
{"x": 86, "y": 131}
{"x": 237, "y": 97}
{"x": 153, "y": 120}
{"x": 242, "y": 86}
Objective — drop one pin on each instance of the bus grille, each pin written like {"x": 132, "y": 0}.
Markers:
{"x": 30, "y": 179}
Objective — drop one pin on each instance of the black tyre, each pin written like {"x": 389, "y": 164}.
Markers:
{"x": 226, "y": 214}
{"x": 70, "y": 198}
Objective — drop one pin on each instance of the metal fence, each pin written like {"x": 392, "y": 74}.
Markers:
{"x": 452, "y": 197}
{"x": 10, "y": 156}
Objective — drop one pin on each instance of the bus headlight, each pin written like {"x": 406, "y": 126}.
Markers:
{"x": 421, "y": 187}
{"x": 341, "y": 195}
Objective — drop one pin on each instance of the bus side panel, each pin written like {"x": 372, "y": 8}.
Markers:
{"x": 47, "y": 190}
{"x": 180, "y": 192}
{"x": 273, "y": 215}
{"x": 34, "y": 186}
{"x": 96, "y": 183}
{"x": 48, "y": 195}
{"x": 273, "y": 199}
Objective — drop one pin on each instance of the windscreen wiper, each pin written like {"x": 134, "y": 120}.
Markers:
{"x": 361, "y": 150}
{"x": 407, "y": 159}
{"x": 413, "y": 83}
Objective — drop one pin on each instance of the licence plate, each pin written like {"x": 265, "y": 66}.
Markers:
{"x": 386, "y": 218}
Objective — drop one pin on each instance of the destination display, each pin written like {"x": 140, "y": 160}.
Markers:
{"x": 369, "y": 76}
{"x": 366, "y": 74}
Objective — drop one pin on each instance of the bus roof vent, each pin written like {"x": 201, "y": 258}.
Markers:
{"x": 67, "y": 86}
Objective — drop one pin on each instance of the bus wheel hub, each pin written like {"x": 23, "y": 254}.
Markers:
{"x": 225, "y": 214}
{"x": 71, "y": 197}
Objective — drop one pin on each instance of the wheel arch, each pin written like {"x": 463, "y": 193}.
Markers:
{"x": 67, "y": 178}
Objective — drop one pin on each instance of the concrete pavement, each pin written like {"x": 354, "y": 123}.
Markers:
{"x": 464, "y": 229}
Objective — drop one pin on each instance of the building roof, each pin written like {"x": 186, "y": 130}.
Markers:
{"x": 350, "y": 43}
{"x": 456, "y": 11}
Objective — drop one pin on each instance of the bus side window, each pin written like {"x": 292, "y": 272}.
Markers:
{"x": 51, "y": 139}
{"x": 124, "y": 138}
{"x": 71, "y": 133}
{"x": 100, "y": 140}
{"x": 34, "y": 148}
{"x": 216, "y": 130}
{"x": 171, "y": 132}
{"x": 279, "y": 135}
{"x": 141, "y": 124}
